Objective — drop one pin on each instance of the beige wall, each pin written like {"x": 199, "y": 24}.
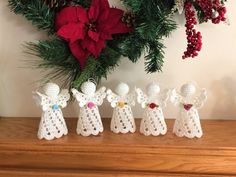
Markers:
{"x": 213, "y": 69}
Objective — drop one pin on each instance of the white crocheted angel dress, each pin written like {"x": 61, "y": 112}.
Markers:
{"x": 188, "y": 122}
{"x": 122, "y": 119}
{"x": 52, "y": 124}
{"x": 153, "y": 121}
{"x": 89, "y": 120}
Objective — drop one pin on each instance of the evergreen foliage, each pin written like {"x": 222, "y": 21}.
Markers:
{"x": 35, "y": 11}
{"x": 153, "y": 22}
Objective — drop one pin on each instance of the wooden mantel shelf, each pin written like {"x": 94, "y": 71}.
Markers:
{"x": 23, "y": 155}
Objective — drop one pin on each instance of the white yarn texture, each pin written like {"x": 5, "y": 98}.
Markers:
{"x": 153, "y": 121}
{"x": 52, "y": 124}
{"x": 122, "y": 119}
{"x": 89, "y": 119}
{"x": 187, "y": 123}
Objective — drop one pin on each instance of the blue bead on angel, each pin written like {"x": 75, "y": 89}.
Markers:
{"x": 153, "y": 121}
{"x": 52, "y": 124}
{"x": 122, "y": 119}
{"x": 188, "y": 122}
{"x": 89, "y": 119}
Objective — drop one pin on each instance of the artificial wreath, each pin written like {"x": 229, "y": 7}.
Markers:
{"x": 88, "y": 37}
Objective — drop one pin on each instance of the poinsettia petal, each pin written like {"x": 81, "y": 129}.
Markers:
{"x": 82, "y": 14}
{"x": 120, "y": 28}
{"x": 72, "y": 32}
{"x": 114, "y": 16}
{"x": 99, "y": 46}
{"x": 93, "y": 13}
{"x": 93, "y": 47}
{"x": 79, "y": 53}
{"x": 65, "y": 16}
{"x": 103, "y": 16}
{"x": 70, "y": 15}
{"x": 114, "y": 24}
{"x": 96, "y": 8}
{"x": 105, "y": 36}
{"x": 93, "y": 35}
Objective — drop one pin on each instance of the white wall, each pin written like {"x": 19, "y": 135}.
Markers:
{"x": 214, "y": 69}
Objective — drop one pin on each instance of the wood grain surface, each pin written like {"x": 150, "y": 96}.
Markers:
{"x": 108, "y": 154}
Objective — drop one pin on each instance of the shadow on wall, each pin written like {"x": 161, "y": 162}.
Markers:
{"x": 226, "y": 90}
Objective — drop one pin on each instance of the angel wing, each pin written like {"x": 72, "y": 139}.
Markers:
{"x": 63, "y": 97}
{"x": 163, "y": 97}
{"x": 112, "y": 98}
{"x": 130, "y": 98}
{"x": 100, "y": 95}
{"x": 42, "y": 100}
{"x": 80, "y": 97}
{"x": 200, "y": 99}
{"x": 175, "y": 97}
{"x": 141, "y": 97}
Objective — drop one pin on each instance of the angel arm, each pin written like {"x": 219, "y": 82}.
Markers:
{"x": 141, "y": 97}
{"x": 175, "y": 97}
{"x": 163, "y": 97}
{"x": 80, "y": 97}
{"x": 63, "y": 98}
{"x": 112, "y": 98}
{"x": 100, "y": 95}
{"x": 130, "y": 98}
{"x": 201, "y": 99}
{"x": 42, "y": 100}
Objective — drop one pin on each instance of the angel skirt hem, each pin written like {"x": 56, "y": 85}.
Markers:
{"x": 153, "y": 122}
{"x": 122, "y": 120}
{"x": 52, "y": 125}
{"x": 188, "y": 124}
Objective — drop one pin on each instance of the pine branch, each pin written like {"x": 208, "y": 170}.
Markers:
{"x": 88, "y": 72}
{"x": 84, "y": 3}
{"x": 133, "y": 4}
{"x": 128, "y": 45}
{"x": 154, "y": 59}
{"x": 156, "y": 20}
{"x": 107, "y": 61}
{"x": 35, "y": 11}
{"x": 54, "y": 55}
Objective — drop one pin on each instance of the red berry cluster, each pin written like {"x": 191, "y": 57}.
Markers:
{"x": 213, "y": 10}
{"x": 206, "y": 7}
{"x": 221, "y": 10}
{"x": 194, "y": 38}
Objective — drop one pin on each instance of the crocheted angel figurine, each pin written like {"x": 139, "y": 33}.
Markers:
{"x": 89, "y": 120}
{"x": 122, "y": 119}
{"x": 52, "y": 124}
{"x": 188, "y": 122}
{"x": 153, "y": 122}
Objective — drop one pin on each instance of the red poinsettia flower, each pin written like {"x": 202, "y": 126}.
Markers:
{"x": 87, "y": 30}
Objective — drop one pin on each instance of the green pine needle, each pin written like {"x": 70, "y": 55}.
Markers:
{"x": 153, "y": 24}
{"x": 35, "y": 11}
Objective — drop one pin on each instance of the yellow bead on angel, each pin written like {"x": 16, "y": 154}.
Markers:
{"x": 89, "y": 120}
{"x": 188, "y": 122}
{"x": 122, "y": 119}
{"x": 153, "y": 121}
{"x": 52, "y": 124}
